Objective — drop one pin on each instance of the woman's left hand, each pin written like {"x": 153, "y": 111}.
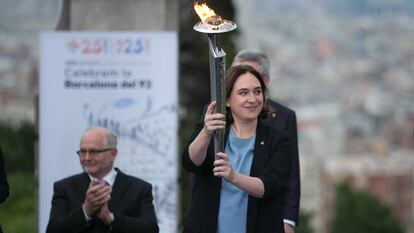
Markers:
{"x": 252, "y": 185}
{"x": 223, "y": 168}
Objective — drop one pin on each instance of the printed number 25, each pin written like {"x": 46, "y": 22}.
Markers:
{"x": 133, "y": 46}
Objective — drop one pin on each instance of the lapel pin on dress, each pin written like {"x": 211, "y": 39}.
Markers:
{"x": 262, "y": 143}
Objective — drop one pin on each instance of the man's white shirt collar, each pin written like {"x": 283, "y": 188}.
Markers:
{"x": 109, "y": 178}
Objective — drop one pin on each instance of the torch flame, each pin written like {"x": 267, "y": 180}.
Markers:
{"x": 210, "y": 21}
{"x": 203, "y": 11}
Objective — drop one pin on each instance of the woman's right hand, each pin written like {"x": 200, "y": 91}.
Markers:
{"x": 213, "y": 121}
{"x": 197, "y": 150}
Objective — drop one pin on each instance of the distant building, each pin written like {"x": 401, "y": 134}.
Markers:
{"x": 392, "y": 182}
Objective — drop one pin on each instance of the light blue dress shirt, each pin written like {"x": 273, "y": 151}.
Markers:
{"x": 233, "y": 201}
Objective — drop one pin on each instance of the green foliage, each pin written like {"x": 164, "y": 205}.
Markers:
{"x": 361, "y": 212}
{"x": 17, "y": 214}
{"x": 18, "y": 148}
{"x": 304, "y": 223}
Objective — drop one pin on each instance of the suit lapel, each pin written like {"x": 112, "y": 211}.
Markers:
{"x": 259, "y": 153}
{"x": 83, "y": 184}
{"x": 258, "y": 163}
{"x": 119, "y": 188}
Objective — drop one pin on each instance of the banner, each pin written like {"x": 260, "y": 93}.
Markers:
{"x": 126, "y": 81}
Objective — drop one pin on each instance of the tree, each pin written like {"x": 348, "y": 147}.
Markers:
{"x": 361, "y": 212}
{"x": 18, "y": 144}
{"x": 18, "y": 214}
{"x": 305, "y": 223}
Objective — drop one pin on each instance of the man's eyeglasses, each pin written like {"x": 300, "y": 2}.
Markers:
{"x": 93, "y": 153}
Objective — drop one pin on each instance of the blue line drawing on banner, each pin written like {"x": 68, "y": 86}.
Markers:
{"x": 165, "y": 200}
{"x": 147, "y": 126}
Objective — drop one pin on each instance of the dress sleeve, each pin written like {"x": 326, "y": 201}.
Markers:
{"x": 276, "y": 172}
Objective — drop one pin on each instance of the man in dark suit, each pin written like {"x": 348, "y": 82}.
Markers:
{"x": 4, "y": 185}
{"x": 284, "y": 119}
{"x": 102, "y": 198}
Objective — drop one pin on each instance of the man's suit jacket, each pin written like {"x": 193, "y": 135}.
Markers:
{"x": 271, "y": 163}
{"x": 131, "y": 204}
{"x": 284, "y": 119}
{"x": 4, "y": 185}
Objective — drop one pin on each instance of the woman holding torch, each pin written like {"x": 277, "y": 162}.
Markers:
{"x": 239, "y": 190}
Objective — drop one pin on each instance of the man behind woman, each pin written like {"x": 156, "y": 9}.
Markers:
{"x": 284, "y": 119}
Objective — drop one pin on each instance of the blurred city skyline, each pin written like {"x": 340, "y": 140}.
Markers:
{"x": 346, "y": 68}
{"x": 354, "y": 67}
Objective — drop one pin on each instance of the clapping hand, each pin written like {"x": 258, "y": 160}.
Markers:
{"x": 104, "y": 214}
{"x": 96, "y": 196}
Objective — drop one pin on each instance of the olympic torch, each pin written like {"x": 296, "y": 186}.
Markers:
{"x": 213, "y": 26}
